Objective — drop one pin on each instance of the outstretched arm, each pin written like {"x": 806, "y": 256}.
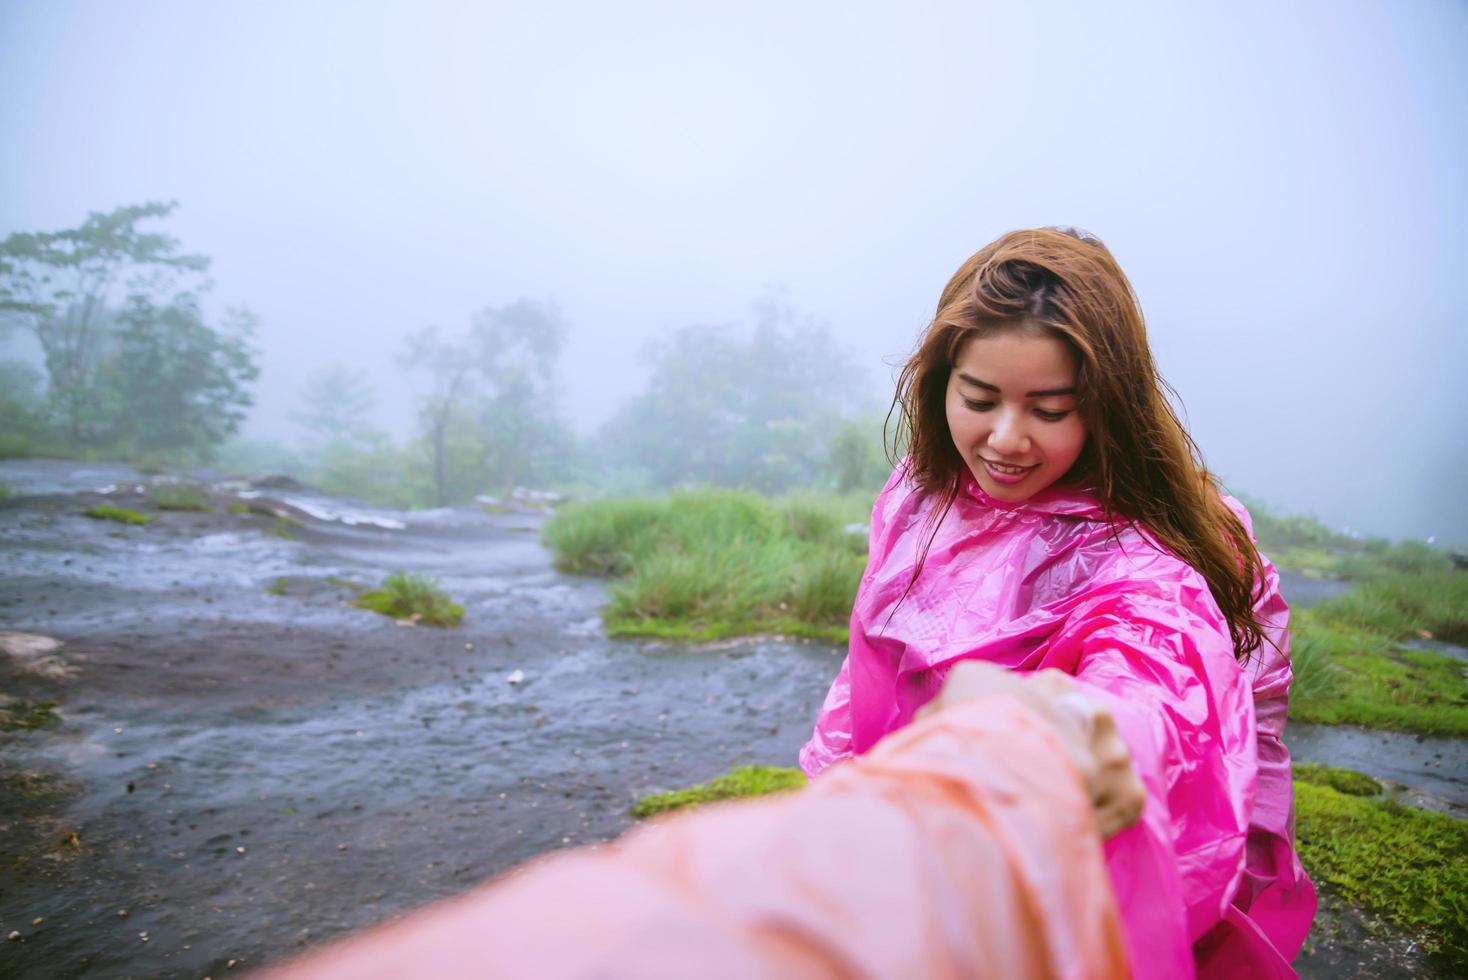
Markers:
{"x": 963, "y": 845}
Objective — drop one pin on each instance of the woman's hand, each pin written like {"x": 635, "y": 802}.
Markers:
{"x": 1085, "y": 729}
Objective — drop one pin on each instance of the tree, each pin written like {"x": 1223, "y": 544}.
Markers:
{"x": 335, "y": 405}
{"x": 449, "y": 367}
{"x": 174, "y": 384}
{"x": 752, "y": 407}
{"x": 60, "y": 284}
{"x": 517, "y": 348}
{"x": 487, "y": 407}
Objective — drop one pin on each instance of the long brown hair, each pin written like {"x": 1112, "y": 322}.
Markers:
{"x": 1139, "y": 460}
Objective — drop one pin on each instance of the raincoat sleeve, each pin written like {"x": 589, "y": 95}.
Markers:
{"x": 831, "y": 740}
{"x": 1152, "y": 647}
{"x": 962, "y": 846}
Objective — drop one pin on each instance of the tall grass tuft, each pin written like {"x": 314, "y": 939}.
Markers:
{"x": 413, "y": 598}
{"x": 1401, "y": 604}
{"x": 711, "y": 563}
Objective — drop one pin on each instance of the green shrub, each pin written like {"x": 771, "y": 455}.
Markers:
{"x": 414, "y": 597}
{"x": 743, "y": 782}
{"x": 108, "y": 512}
{"x": 1406, "y": 865}
{"x": 710, "y": 563}
{"x": 180, "y": 496}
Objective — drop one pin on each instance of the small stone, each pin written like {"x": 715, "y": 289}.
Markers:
{"x": 341, "y": 847}
{"x": 231, "y": 964}
{"x": 14, "y": 936}
{"x": 517, "y": 676}
{"x": 468, "y": 646}
{"x": 122, "y": 913}
{"x": 37, "y": 920}
{"x": 239, "y": 850}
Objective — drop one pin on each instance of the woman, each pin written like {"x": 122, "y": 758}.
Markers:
{"x": 1053, "y": 513}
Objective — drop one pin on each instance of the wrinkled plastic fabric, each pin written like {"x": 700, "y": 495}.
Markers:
{"x": 963, "y": 847}
{"x": 1208, "y": 881}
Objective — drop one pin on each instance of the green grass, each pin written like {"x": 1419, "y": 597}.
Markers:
{"x": 708, "y": 564}
{"x": 1348, "y": 676}
{"x": 1341, "y": 780}
{"x": 1408, "y": 866}
{"x": 24, "y": 715}
{"x": 180, "y": 496}
{"x": 1401, "y": 604}
{"x": 108, "y": 512}
{"x": 239, "y": 507}
{"x": 743, "y": 782}
{"x": 5, "y": 491}
{"x": 406, "y": 596}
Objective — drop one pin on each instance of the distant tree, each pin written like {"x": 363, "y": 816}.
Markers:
{"x": 449, "y": 368}
{"x": 20, "y": 407}
{"x": 335, "y": 407}
{"x": 487, "y": 405}
{"x": 175, "y": 384}
{"x": 60, "y": 284}
{"x": 518, "y": 347}
{"x": 737, "y": 406}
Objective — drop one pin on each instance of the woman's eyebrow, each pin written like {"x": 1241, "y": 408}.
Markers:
{"x": 969, "y": 379}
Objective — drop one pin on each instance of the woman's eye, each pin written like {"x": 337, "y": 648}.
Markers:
{"x": 978, "y": 406}
{"x": 1045, "y": 416}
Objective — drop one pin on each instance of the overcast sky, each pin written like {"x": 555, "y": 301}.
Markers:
{"x": 1285, "y": 184}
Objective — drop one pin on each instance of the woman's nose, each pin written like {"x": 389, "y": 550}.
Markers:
{"x": 1008, "y": 437}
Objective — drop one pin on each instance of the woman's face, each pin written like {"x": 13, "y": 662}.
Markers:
{"x": 1012, "y": 411}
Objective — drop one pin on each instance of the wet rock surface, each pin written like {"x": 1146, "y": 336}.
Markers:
{"x": 247, "y": 766}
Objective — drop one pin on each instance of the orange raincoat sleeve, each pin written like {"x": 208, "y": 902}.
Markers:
{"x": 963, "y": 845}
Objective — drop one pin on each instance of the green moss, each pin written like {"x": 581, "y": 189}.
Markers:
{"x": 742, "y": 782}
{"x": 239, "y": 507}
{"x": 285, "y": 527}
{"x": 26, "y": 715}
{"x": 1341, "y": 780}
{"x": 415, "y": 597}
{"x": 1348, "y": 676}
{"x": 709, "y": 564}
{"x": 107, "y": 512}
{"x": 1408, "y": 866}
{"x": 180, "y": 496}
{"x": 278, "y": 586}
{"x": 5, "y": 491}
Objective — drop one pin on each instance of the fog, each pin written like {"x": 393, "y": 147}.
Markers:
{"x": 1283, "y": 183}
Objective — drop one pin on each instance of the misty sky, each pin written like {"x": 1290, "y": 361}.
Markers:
{"x": 1285, "y": 184}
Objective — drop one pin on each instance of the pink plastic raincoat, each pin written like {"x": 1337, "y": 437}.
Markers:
{"x": 1208, "y": 881}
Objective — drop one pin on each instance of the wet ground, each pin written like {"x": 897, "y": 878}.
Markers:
{"x": 245, "y": 765}
{"x": 248, "y": 773}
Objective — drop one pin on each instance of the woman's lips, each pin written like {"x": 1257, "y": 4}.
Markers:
{"x": 1004, "y": 473}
